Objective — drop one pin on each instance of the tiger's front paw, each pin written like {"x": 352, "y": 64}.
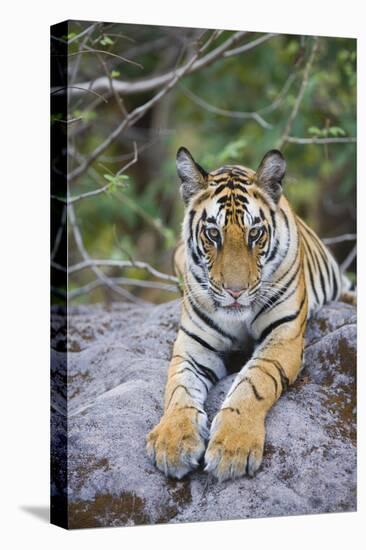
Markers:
{"x": 236, "y": 444}
{"x": 177, "y": 443}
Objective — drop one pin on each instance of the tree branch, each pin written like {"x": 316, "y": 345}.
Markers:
{"x": 123, "y": 264}
{"x": 151, "y": 83}
{"x": 57, "y": 242}
{"x": 281, "y": 96}
{"x": 57, "y": 90}
{"x": 349, "y": 259}
{"x": 97, "y": 272}
{"x": 340, "y": 238}
{"x": 121, "y": 281}
{"x": 138, "y": 112}
{"x": 105, "y": 188}
{"x": 250, "y": 45}
{"x": 231, "y": 114}
{"x": 320, "y": 141}
{"x": 300, "y": 95}
{"x": 105, "y": 52}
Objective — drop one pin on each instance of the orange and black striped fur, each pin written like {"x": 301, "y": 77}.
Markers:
{"x": 251, "y": 269}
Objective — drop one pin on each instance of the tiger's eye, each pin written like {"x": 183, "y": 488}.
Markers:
{"x": 213, "y": 233}
{"x": 255, "y": 232}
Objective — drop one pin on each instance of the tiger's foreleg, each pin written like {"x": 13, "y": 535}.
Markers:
{"x": 178, "y": 442}
{"x": 238, "y": 430}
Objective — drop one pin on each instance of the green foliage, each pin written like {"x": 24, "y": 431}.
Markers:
{"x": 333, "y": 131}
{"x": 233, "y": 151}
{"x": 106, "y": 41}
{"x": 115, "y": 181}
{"x": 143, "y": 219}
{"x": 86, "y": 114}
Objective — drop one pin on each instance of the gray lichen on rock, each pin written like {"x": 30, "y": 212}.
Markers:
{"x": 117, "y": 362}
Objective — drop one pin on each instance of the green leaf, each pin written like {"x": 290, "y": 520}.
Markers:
{"x": 115, "y": 74}
{"x": 336, "y": 131}
{"x": 115, "y": 181}
{"x": 87, "y": 116}
{"x": 106, "y": 41}
{"x": 233, "y": 150}
{"x": 314, "y": 130}
{"x": 70, "y": 36}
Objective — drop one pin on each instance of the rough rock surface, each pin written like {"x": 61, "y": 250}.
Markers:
{"x": 117, "y": 363}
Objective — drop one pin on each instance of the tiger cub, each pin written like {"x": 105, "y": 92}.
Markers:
{"x": 250, "y": 267}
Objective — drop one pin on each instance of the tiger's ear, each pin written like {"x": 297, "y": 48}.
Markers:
{"x": 271, "y": 172}
{"x": 192, "y": 176}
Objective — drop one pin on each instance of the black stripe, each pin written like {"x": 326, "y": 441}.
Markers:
{"x": 198, "y": 339}
{"x": 274, "y": 300}
{"x": 335, "y": 285}
{"x": 319, "y": 246}
{"x": 232, "y": 409}
{"x": 195, "y": 258}
{"x": 194, "y": 372}
{"x": 274, "y": 251}
{"x": 208, "y": 321}
{"x": 281, "y": 321}
{"x": 209, "y": 373}
{"x": 273, "y": 218}
{"x": 286, "y": 219}
{"x": 219, "y": 189}
{"x": 257, "y": 395}
{"x": 281, "y": 371}
{"x": 322, "y": 282}
{"x": 315, "y": 258}
{"x": 262, "y": 369}
{"x": 241, "y": 198}
{"x": 307, "y": 258}
{"x": 175, "y": 389}
{"x": 194, "y": 321}
{"x": 199, "y": 369}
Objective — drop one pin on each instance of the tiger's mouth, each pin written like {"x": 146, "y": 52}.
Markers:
{"x": 234, "y": 305}
{"x": 238, "y": 305}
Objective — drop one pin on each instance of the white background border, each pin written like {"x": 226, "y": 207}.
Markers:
{"x": 24, "y": 127}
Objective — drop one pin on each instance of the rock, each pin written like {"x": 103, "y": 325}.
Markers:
{"x": 117, "y": 364}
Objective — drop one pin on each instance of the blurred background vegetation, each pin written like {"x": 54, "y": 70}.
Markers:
{"x": 230, "y": 111}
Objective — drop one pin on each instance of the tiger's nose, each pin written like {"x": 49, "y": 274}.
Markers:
{"x": 235, "y": 292}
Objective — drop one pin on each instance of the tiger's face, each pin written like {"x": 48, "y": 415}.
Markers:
{"x": 229, "y": 227}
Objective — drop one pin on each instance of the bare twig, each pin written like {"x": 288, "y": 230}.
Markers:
{"x": 88, "y": 30}
{"x": 132, "y": 161}
{"x": 119, "y": 100}
{"x": 122, "y": 264}
{"x": 86, "y": 36}
{"x": 88, "y": 194}
{"x": 93, "y": 50}
{"x": 281, "y": 96}
{"x": 151, "y": 83}
{"x": 126, "y": 156}
{"x": 320, "y": 141}
{"x": 97, "y": 272}
{"x": 249, "y": 45}
{"x": 121, "y": 281}
{"x": 58, "y": 237}
{"x": 231, "y": 114}
{"x": 77, "y": 37}
{"x": 349, "y": 259}
{"x": 57, "y": 90}
{"x": 70, "y": 120}
{"x": 340, "y": 238}
{"x": 300, "y": 95}
{"x": 138, "y": 112}
{"x": 105, "y": 188}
